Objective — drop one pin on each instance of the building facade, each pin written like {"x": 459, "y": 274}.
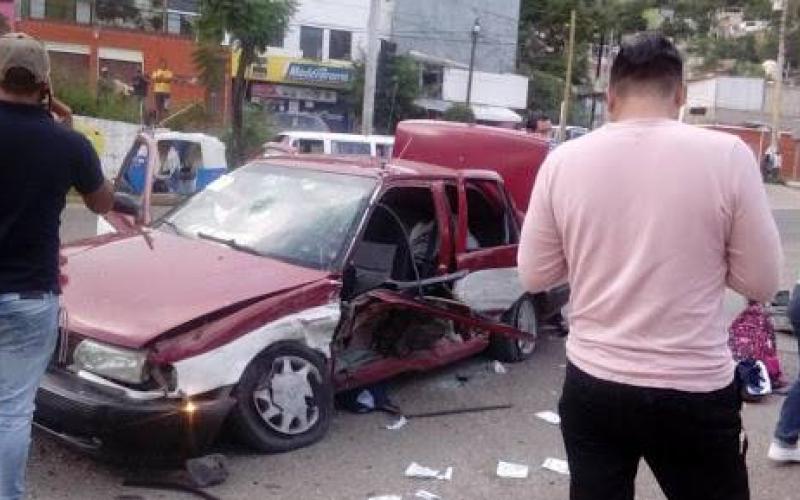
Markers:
{"x": 83, "y": 36}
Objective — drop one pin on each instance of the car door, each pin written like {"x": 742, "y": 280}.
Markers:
{"x": 487, "y": 234}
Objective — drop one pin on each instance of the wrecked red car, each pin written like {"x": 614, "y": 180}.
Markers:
{"x": 253, "y": 302}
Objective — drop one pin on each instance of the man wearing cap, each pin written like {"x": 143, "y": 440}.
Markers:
{"x": 42, "y": 161}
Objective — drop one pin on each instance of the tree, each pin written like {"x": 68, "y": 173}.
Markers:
{"x": 459, "y": 113}
{"x": 252, "y": 24}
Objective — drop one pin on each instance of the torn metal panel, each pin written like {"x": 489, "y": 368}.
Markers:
{"x": 225, "y": 365}
{"x": 490, "y": 291}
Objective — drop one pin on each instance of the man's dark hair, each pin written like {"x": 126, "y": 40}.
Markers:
{"x": 647, "y": 60}
{"x": 19, "y": 81}
{"x": 535, "y": 118}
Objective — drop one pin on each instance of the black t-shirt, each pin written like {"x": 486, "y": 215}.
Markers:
{"x": 40, "y": 161}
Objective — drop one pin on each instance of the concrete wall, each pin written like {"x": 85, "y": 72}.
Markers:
{"x": 442, "y": 28}
{"x": 492, "y": 89}
{"x": 111, "y": 140}
{"x": 346, "y": 15}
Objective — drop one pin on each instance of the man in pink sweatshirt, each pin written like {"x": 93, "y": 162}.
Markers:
{"x": 649, "y": 220}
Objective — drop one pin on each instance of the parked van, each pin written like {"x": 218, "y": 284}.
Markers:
{"x": 379, "y": 146}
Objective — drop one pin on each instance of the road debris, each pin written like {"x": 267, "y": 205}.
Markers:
{"x": 210, "y": 470}
{"x": 550, "y": 417}
{"x": 418, "y": 471}
{"x": 459, "y": 411}
{"x": 426, "y": 495}
{"x": 509, "y": 470}
{"x": 499, "y": 368}
{"x": 397, "y": 424}
{"x": 556, "y": 465}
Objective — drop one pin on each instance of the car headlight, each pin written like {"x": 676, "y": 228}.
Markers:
{"x": 122, "y": 365}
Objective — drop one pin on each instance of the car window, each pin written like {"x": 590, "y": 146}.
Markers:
{"x": 350, "y": 148}
{"x": 133, "y": 173}
{"x": 295, "y": 215}
{"x": 312, "y": 146}
{"x": 384, "y": 150}
{"x": 179, "y": 164}
{"x": 489, "y": 221}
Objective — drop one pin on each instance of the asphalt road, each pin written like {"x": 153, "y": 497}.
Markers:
{"x": 360, "y": 458}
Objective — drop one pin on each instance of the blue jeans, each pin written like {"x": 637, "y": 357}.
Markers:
{"x": 28, "y": 333}
{"x": 787, "y": 431}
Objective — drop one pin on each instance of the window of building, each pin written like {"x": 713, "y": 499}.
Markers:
{"x": 36, "y": 9}
{"x": 311, "y": 42}
{"x": 341, "y": 45}
{"x": 181, "y": 15}
{"x": 69, "y": 65}
{"x": 83, "y": 12}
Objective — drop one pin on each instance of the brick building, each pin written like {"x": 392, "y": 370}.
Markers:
{"x": 83, "y": 36}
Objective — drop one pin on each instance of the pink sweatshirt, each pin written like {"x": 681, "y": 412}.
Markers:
{"x": 649, "y": 221}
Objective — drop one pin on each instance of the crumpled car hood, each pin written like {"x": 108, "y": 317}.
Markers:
{"x": 128, "y": 291}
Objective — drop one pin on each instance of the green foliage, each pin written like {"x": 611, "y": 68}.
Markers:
{"x": 211, "y": 62}
{"x": 252, "y": 24}
{"x": 83, "y": 101}
{"x": 545, "y": 92}
{"x": 396, "y": 89}
{"x": 459, "y": 113}
{"x": 256, "y": 131}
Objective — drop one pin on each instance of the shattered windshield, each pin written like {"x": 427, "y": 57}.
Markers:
{"x": 301, "y": 216}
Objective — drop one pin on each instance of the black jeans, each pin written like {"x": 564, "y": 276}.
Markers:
{"x": 693, "y": 442}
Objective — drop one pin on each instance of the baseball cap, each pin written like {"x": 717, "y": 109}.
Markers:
{"x": 19, "y": 50}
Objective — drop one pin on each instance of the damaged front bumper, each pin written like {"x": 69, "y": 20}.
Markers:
{"x": 105, "y": 421}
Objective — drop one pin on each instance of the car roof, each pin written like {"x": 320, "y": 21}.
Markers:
{"x": 304, "y": 134}
{"x": 365, "y": 166}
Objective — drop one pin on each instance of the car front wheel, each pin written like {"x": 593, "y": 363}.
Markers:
{"x": 284, "y": 399}
{"x": 521, "y": 316}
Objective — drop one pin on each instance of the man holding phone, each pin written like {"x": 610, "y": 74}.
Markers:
{"x": 42, "y": 160}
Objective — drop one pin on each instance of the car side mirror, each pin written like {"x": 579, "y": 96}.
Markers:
{"x": 128, "y": 204}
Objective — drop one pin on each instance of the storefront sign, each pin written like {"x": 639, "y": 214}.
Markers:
{"x": 314, "y": 73}
{"x": 284, "y": 69}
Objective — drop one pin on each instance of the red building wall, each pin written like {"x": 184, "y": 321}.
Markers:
{"x": 759, "y": 140}
{"x": 176, "y": 50}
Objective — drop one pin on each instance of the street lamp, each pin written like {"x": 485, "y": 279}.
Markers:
{"x": 476, "y": 30}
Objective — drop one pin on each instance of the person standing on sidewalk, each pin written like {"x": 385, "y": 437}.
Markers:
{"x": 42, "y": 161}
{"x": 785, "y": 447}
{"x": 162, "y": 89}
{"x": 648, "y": 220}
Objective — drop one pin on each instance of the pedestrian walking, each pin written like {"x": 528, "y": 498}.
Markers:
{"x": 649, "y": 220}
{"x": 784, "y": 447}
{"x": 162, "y": 89}
{"x": 105, "y": 86}
{"x": 42, "y": 161}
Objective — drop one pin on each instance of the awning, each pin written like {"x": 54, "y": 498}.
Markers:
{"x": 483, "y": 112}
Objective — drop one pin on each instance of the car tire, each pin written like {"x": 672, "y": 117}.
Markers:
{"x": 522, "y": 315}
{"x": 284, "y": 400}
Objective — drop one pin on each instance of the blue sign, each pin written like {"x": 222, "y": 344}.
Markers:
{"x": 314, "y": 73}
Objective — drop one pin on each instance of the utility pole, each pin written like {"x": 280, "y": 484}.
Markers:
{"x": 371, "y": 70}
{"x": 777, "y": 96}
{"x": 562, "y": 126}
{"x": 476, "y": 30}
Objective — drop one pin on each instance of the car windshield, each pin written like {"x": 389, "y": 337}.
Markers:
{"x": 296, "y": 215}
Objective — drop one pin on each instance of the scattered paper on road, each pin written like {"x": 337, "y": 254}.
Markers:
{"x": 556, "y": 465}
{"x": 512, "y": 471}
{"x": 421, "y": 472}
{"x": 550, "y": 417}
{"x": 500, "y": 368}
{"x": 426, "y": 495}
{"x": 397, "y": 424}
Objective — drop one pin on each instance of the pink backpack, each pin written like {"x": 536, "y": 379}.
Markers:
{"x": 752, "y": 337}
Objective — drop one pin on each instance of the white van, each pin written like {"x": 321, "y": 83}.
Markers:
{"x": 327, "y": 143}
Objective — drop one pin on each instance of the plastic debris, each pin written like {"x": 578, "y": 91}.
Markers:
{"x": 499, "y": 368}
{"x": 426, "y": 495}
{"x": 397, "y": 424}
{"x": 421, "y": 472}
{"x": 512, "y": 471}
{"x": 550, "y": 417}
{"x": 556, "y": 465}
{"x": 210, "y": 470}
